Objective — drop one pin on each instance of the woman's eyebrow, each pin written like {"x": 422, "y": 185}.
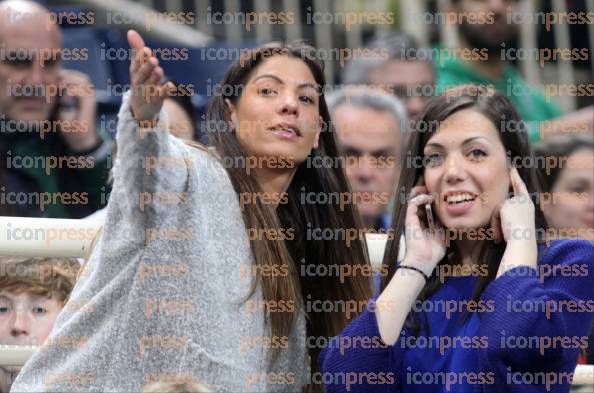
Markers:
{"x": 276, "y": 78}
{"x": 279, "y": 80}
{"x": 466, "y": 141}
{"x": 308, "y": 84}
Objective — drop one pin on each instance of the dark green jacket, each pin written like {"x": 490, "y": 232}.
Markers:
{"x": 74, "y": 188}
{"x": 532, "y": 105}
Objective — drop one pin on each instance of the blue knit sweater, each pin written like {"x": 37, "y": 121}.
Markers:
{"x": 525, "y": 336}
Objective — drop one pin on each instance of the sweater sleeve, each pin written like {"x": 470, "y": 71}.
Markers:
{"x": 149, "y": 164}
{"x": 152, "y": 169}
{"x": 358, "y": 360}
{"x": 542, "y": 316}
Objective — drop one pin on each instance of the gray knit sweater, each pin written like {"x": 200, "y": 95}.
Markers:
{"x": 164, "y": 291}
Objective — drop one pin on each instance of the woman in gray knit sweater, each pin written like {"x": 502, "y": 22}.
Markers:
{"x": 206, "y": 267}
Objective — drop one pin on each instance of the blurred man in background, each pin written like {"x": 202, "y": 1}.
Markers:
{"x": 55, "y": 160}
{"x": 484, "y": 57}
{"x": 371, "y": 126}
{"x": 406, "y": 71}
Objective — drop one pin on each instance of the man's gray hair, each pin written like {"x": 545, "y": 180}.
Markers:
{"x": 398, "y": 46}
{"x": 376, "y": 99}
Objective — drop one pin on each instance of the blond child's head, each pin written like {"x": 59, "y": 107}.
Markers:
{"x": 32, "y": 294}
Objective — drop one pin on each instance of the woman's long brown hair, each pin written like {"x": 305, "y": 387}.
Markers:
{"x": 296, "y": 214}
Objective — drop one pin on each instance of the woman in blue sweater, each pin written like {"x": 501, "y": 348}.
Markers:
{"x": 487, "y": 300}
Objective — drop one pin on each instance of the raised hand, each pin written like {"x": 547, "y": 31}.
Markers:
{"x": 514, "y": 219}
{"x": 148, "y": 93}
{"x": 424, "y": 248}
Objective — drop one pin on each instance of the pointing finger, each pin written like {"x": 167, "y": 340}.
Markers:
{"x": 135, "y": 40}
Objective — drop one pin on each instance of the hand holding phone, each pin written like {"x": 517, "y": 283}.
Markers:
{"x": 425, "y": 246}
{"x": 77, "y": 110}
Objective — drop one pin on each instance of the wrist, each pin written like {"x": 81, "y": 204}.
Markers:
{"x": 146, "y": 123}
{"x": 521, "y": 246}
{"x": 426, "y": 268}
{"x": 518, "y": 254}
{"x": 521, "y": 235}
{"x": 403, "y": 279}
{"x": 143, "y": 116}
{"x": 414, "y": 270}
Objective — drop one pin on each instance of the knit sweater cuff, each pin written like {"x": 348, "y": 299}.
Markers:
{"x": 368, "y": 327}
{"x": 518, "y": 276}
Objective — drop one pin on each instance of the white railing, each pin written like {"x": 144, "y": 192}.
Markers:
{"x": 57, "y": 237}
{"x": 46, "y": 237}
{"x": 15, "y": 355}
{"x": 73, "y": 238}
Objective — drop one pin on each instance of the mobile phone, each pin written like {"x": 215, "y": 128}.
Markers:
{"x": 430, "y": 221}
{"x": 67, "y": 108}
{"x": 69, "y": 103}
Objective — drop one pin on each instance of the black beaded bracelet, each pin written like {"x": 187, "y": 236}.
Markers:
{"x": 413, "y": 268}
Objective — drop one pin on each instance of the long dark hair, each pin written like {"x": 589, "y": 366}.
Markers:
{"x": 514, "y": 137}
{"x": 296, "y": 213}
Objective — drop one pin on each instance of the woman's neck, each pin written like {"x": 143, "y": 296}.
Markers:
{"x": 274, "y": 182}
{"x": 468, "y": 251}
